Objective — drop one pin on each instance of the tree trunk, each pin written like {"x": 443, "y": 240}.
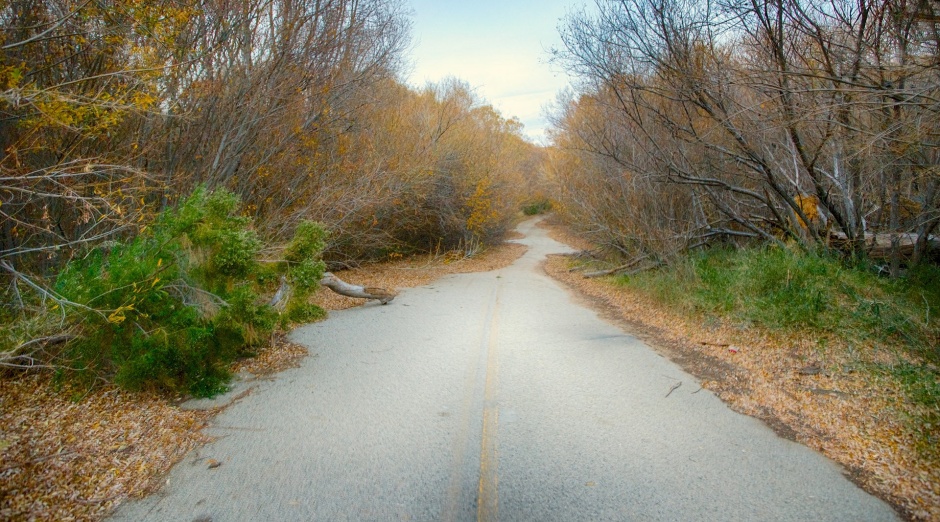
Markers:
{"x": 341, "y": 287}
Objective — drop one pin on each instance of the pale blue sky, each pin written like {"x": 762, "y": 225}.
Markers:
{"x": 498, "y": 47}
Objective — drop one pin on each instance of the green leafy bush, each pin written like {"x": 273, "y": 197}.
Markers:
{"x": 305, "y": 269}
{"x": 299, "y": 311}
{"x": 308, "y": 242}
{"x": 536, "y": 207}
{"x": 173, "y": 307}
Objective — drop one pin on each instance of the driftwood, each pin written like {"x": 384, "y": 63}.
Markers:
{"x": 341, "y": 287}
{"x": 20, "y": 357}
{"x": 337, "y": 285}
{"x": 615, "y": 270}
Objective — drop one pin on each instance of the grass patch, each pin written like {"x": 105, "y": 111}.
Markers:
{"x": 783, "y": 290}
{"x": 818, "y": 297}
{"x": 536, "y": 207}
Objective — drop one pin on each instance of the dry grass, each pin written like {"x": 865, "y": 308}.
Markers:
{"x": 76, "y": 454}
{"x": 806, "y": 392}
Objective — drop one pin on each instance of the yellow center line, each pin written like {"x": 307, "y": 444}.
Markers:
{"x": 488, "y": 493}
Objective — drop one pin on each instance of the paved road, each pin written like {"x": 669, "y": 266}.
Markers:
{"x": 493, "y": 396}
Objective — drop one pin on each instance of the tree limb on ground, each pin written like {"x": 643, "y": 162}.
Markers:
{"x": 341, "y": 287}
{"x": 22, "y": 358}
{"x": 621, "y": 268}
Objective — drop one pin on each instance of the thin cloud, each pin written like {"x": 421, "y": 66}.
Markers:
{"x": 498, "y": 48}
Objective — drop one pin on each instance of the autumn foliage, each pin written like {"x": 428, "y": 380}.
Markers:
{"x": 764, "y": 122}
{"x": 115, "y": 115}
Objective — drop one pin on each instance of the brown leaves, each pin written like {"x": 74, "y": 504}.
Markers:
{"x": 280, "y": 354}
{"x": 820, "y": 402}
{"x": 75, "y": 460}
{"x": 63, "y": 459}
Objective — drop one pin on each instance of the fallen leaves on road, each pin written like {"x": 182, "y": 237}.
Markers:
{"x": 278, "y": 355}
{"x": 803, "y": 392}
{"x": 71, "y": 454}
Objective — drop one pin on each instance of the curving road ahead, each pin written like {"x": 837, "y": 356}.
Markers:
{"x": 493, "y": 396}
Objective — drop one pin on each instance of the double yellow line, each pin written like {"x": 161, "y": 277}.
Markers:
{"x": 488, "y": 491}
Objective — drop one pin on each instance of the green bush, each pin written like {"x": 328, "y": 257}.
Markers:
{"x": 304, "y": 270}
{"x": 539, "y": 206}
{"x": 299, "y": 311}
{"x": 173, "y": 307}
{"x": 137, "y": 328}
{"x": 308, "y": 242}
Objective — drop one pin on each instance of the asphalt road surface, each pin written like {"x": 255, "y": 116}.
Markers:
{"x": 493, "y": 396}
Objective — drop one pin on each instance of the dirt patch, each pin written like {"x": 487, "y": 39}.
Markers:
{"x": 73, "y": 454}
{"x": 804, "y": 388}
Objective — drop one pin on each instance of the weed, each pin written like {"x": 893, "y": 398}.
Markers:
{"x": 783, "y": 289}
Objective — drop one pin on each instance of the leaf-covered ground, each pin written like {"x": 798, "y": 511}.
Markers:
{"x": 75, "y": 454}
{"x": 806, "y": 392}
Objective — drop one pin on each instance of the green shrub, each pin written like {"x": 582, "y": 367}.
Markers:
{"x": 306, "y": 274}
{"x": 299, "y": 311}
{"x": 247, "y": 322}
{"x": 308, "y": 242}
{"x": 780, "y": 288}
{"x": 173, "y": 307}
{"x": 304, "y": 270}
{"x": 539, "y": 206}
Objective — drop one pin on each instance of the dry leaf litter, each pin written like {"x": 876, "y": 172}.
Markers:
{"x": 73, "y": 454}
{"x": 804, "y": 392}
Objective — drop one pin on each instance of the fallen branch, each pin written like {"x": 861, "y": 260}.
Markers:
{"x": 20, "y": 358}
{"x": 621, "y": 271}
{"x": 632, "y": 263}
{"x": 341, "y": 287}
{"x": 45, "y": 293}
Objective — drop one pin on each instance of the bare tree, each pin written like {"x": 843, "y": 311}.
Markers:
{"x": 784, "y": 118}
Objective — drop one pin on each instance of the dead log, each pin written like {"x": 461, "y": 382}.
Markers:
{"x": 341, "y": 287}
{"x": 619, "y": 269}
{"x": 384, "y": 296}
{"x": 879, "y": 247}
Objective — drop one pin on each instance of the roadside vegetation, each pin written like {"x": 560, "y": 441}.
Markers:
{"x": 767, "y": 173}
{"x": 785, "y": 289}
{"x": 708, "y": 123}
{"x": 169, "y": 309}
{"x": 163, "y": 166}
{"x": 840, "y": 359}
{"x": 887, "y": 328}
